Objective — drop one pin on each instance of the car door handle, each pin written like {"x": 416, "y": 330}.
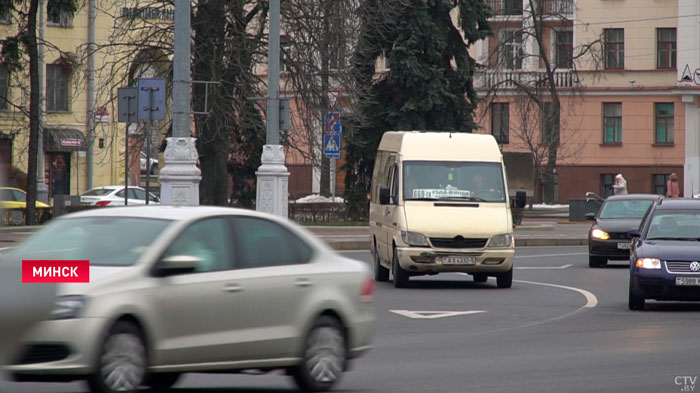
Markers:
{"x": 232, "y": 288}
{"x": 303, "y": 282}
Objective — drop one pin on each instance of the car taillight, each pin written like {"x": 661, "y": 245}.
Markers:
{"x": 367, "y": 291}
{"x": 102, "y": 203}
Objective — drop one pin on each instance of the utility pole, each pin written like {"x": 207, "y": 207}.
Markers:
{"x": 42, "y": 191}
{"x": 273, "y": 178}
{"x": 180, "y": 176}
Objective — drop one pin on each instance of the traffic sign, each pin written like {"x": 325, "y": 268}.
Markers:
{"x": 331, "y": 125}
{"x": 127, "y": 104}
{"x": 155, "y": 109}
{"x": 331, "y": 145}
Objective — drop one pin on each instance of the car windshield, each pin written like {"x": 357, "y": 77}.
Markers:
{"x": 104, "y": 241}
{"x": 475, "y": 181}
{"x": 97, "y": 192}
{"x": 675, "y": 225}
{"x": 625, "y": 209}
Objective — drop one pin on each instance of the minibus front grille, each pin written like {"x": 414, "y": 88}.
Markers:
{"x": 457, "y": 242}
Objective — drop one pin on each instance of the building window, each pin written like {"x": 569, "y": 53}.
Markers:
{"x": 666, "y": 48}
{"x": 506, "y": 7}
{"x": 658, "y": 182}
{"x": 614, "y": 48}
{"x": 612, "y": 122}
{"x": 664, "y": 123}
{"x": 565, "y": 49}
{"x": 511, "y": 56}
{"x": 4, "y": 13}
{"x": 500, "y": 122}
{"x": 4, "y": 87}
{"x": 56, "y": 88}
{"x": 606, "y": 182}
{"x": 57, "y": 17}
{"x": 285, "y": 54}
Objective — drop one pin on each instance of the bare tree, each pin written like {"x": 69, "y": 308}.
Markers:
{"x": 529, "y": 66}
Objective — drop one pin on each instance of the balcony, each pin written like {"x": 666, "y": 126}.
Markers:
{"x": 558, "y": 7}
{"x": 506, "y": 7}
{"x": 510, "y": 79}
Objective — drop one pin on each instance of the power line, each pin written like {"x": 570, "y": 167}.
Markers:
{"x": 634, "y": 20}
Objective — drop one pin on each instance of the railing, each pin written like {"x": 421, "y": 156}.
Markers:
{"x": 558, "y": 7}
{"x": 510, "y": 79}
{"x": 506, "y": 7}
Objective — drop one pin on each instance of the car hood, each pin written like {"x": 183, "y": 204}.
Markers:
{"x": 98, "y": 276}
{"x": 618, "y": 224}
{"x": 446, "y": 220}
{"x": 669, "y": 250}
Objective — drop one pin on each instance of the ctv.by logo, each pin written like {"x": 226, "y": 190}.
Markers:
{"x": 686, "y": 382}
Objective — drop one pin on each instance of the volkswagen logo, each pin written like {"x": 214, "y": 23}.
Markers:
{"x": 695, "y": 266}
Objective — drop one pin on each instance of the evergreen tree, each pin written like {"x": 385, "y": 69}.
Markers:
{"x": 429, "y": 84}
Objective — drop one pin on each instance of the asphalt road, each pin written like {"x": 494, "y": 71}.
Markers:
{"x": 562, "y": 328}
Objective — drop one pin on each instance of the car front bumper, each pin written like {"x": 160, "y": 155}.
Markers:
{"x": 58, "y": 350}
{"x": 609, "y": 248}
{"x": 425, "y": 260}
{"x": 660, "y": 285}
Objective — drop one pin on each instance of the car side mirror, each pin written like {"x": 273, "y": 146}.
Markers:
{"x": 590, "y": 216}
{"x": 384, "y": 196}
{"x": 634, "y": 233}
{"x": 179, "y": 264}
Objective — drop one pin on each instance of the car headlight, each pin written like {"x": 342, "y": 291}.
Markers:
{"x": 504, "y": 240}
{"x": 67, "y": 307}
{"x": 649, "y": 263}
{"x": 600, "y": 234}
{"x": 414, "y": 238}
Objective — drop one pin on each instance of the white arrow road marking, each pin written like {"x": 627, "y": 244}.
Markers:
{"x": 433, "y": 314}
{"x": 543, "y": 267}
{"x": 550, "y": 255}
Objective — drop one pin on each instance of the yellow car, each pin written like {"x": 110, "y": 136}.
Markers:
{"x": 14, "y": 198}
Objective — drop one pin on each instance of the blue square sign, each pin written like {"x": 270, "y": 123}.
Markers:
{"x": 151, "y": 99}
{"x": 331, "y": 145}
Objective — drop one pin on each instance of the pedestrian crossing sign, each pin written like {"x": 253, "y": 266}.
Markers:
{"x": 331, "y": 145}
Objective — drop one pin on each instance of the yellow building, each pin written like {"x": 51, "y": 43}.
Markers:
{"x": 69, "y": 116}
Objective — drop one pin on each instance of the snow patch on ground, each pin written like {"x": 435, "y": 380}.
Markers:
{"x": 315, "y": 198}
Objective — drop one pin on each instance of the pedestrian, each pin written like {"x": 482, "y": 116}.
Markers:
{"x": 672, "y": 190}
{"x": 620, "y": 186}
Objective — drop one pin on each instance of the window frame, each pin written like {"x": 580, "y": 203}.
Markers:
{"x": 51, "y": 90}
{"x": 669, "y": 49}
{"x": 510, "y": 46}
{"x": 564, "y": 49}
{"x": 617, "y": 125}
{"x": 65, "y": 19}
{"x": 4, "y": 85}
{"x": 617, "y": 48}
{"x": 668, "y": 120}
{"x": 499, "y": 118}
{"x": 606, "y": 188}
{"x": 655, "y": 185}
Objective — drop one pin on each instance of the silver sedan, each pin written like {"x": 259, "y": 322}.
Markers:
{"x": 194, "y": 289}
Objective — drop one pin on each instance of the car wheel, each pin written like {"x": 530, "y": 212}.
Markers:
{"x": 324, "y": 357}
{"x": 635, "y": 302}
{"x": 154, "y": 169}
{"x": 480, "y": 277}
{"x": 121, "y": 363}
{"x": 381, "y": 274}
{"x": 505, "y": 280}
{"x": 161, "y": 382}
{"x": 400, "y": 275}
{"x": 597, "y": 261}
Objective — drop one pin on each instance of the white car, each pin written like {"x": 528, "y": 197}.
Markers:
{"x": 114, "y": 196}
{"x": 149, "y": 166}
{"x": 174, "y": 290}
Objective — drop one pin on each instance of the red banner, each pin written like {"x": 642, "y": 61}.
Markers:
{"x": 55, "y": 271}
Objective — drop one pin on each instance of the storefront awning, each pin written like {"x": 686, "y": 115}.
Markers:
{"x": 64, "y": 140}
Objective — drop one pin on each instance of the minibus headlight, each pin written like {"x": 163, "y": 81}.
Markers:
{"x": 504, "y": 240}
{"x": 414, "y": 238}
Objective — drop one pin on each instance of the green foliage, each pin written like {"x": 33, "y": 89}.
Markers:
{"x": 429, "y": 85}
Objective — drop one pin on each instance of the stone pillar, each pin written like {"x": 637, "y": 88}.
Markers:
{"x": 180, "y": 176}
{"x": 273, "y": 180}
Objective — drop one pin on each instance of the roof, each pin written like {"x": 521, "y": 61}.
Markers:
{"x": 678, "y": 204}
{"x": 167, "y": 212}
{"x": 628, "y": 197}
{"x": 442, "y": 146}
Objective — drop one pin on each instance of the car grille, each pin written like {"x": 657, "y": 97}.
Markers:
{"x": 43, "y": 353}
{"x": 457, "y": 242}
{"x": 680, "y": 267}
{"x": 619, "y": 236}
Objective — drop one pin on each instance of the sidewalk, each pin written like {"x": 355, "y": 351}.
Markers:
{"x": 535, "y": 232}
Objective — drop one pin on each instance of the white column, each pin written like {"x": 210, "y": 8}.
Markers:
{"x": 691, "y": 172}
{"x": 179, "y": 178}
{"x": 273, "y": 182}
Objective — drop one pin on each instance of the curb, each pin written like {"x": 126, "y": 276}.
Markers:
{"x": 564, "y": 242}
{"x": 23, "y": 228}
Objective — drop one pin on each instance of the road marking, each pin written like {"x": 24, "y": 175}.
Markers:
{"x": 544, "y": 267}
{"x": 551, "y": 255}
{"x": 5, "y": 248}
{"x": 434, "y": 314}
{"x": 591, "y": 299}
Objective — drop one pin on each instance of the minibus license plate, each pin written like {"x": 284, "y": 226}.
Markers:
{"x": 688, "y": 281}
{"x": 458, "y": 260}
{"x": 623, "y": 246}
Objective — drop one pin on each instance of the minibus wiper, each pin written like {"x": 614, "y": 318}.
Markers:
{"x": 463, "y": 198}
{"x": 421, "y": 199}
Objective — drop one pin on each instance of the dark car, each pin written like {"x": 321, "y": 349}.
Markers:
{"x": 617, "y": 216}
{"x": 665, "y": 255}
